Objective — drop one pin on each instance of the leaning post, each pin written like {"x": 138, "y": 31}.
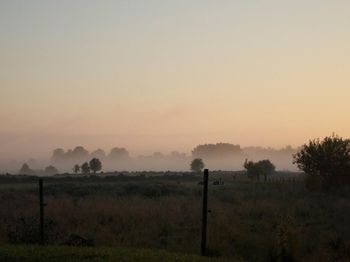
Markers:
{"x": 204, "y": 213}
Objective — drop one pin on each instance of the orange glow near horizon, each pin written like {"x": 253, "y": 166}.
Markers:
{"x": 167, "y": 75}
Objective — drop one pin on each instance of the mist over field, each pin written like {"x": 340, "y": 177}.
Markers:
{"x": 216, "y": 157}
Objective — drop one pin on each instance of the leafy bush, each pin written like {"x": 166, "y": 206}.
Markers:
{"x": 328, "y": 161}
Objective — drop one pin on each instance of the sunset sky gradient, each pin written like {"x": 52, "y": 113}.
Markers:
{"x": 168, "y": 75}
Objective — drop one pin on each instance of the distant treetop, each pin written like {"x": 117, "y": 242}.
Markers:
{"x": 80, "y": 154}
{"x": 118, "y": 153}
{"x": 98, "y": 153}
{"x": 216, "y": 150}
{"x": 51, "y": 170}
{"x": 26, "y": 170}
{"x": 197, "y": 165}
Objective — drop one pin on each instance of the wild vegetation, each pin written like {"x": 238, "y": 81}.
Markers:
{"x": 285, "y": 217}
{"x": 75, "y": 254}
{"x": 261, "y": 168}
{"x": 279, "y": 220}
{"x": 326, "y": 162}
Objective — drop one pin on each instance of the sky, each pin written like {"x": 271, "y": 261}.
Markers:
{"x": 164, "y": 75}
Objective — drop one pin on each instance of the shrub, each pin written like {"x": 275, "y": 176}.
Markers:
{"x": 327, "y": 161}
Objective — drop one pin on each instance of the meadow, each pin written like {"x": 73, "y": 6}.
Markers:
{"x": 277, "y": 220}
{"x": 96, "y": 254}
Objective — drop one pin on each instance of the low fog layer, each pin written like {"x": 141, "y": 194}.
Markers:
{"x": 221, "y": 156}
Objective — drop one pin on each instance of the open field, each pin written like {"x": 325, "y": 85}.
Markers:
{"x": 73, "y": 254}
{"x": 275, "y": 221}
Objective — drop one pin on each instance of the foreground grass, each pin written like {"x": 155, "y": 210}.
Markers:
{"x": 72, "y": 254}
{"x": 275, "y": 221}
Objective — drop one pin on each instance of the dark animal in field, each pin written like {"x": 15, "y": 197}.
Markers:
{"x": 76, "y": 240}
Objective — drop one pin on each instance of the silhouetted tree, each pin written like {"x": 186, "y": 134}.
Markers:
{"x": 26, "y": 170}
{"x": 197, "y": 165}
{"x": 118, "y": 153}
{"x": 76, "y": 169}
{"x": 85, "y": 168}
{"x": 80, "y": 153}
{"x": 95, "y": 165}
{"x": 176, "y": 154}
{"x": 328, "y": 160}
{"x": 51, "y": 170}
{"x": 58, "y": 155}
{"x": 99, "y": 153}
{"x": 253, "y": 170}
{"x": 216, "y": 150}
{"x": 266, "y": 167}
{"x": 262, "y": 167}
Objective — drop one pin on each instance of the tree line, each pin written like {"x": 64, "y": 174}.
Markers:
{"x": 325, "y": 162}
{"x": 80, "y": 153}
{"x": 94, "y": 165}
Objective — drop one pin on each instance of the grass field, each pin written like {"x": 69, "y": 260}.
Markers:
{"x": 275, "y": 221}
{"x": 75, "y": 254}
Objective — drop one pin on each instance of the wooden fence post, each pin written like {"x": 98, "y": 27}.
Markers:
{"x": 41, "y": 206}
{"x": 204, "y": 213}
